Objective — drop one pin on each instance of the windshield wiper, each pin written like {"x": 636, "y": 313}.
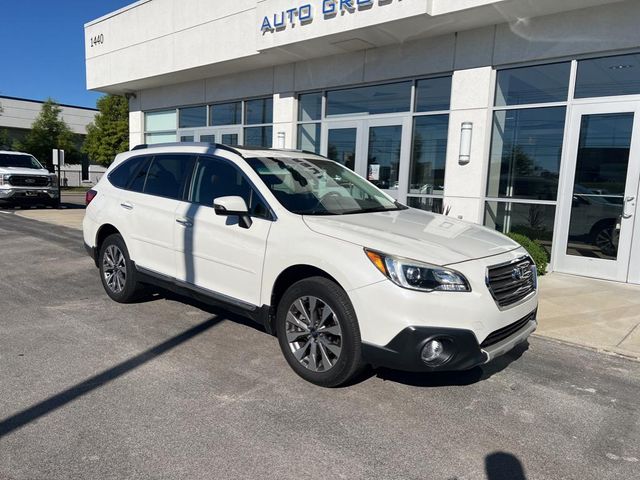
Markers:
{"x": 372, "y": 210}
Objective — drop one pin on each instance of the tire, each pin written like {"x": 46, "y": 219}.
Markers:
{"x": 117, "y": 271}
{"x": 54, "y": 203}
{"x": 322, "y": 346}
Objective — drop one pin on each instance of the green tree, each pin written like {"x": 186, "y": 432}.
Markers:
{"x": 108, "y": 135}
{"x": 48, "y": 131}
{"x": 5, "y": 143}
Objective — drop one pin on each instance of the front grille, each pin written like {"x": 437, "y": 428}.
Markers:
{"x": 507, "y": 331}
{"x": 511, "y": 282}
{"x": 28, "y": 181}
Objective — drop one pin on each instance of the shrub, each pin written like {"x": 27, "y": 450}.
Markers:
{"x": 537, "y": 251}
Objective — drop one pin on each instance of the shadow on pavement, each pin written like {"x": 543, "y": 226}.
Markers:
{"x": 504, "y": 466}
{"x": 55, "y": 402}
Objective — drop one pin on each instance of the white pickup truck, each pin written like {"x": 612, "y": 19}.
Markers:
{"x": 24, "y": 181}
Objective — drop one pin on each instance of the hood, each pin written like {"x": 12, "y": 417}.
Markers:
{"x": 415, "y": 234}
{"x": 24, "y": 171}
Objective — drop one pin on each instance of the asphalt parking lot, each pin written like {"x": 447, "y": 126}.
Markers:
{"x": 165, "y": 389}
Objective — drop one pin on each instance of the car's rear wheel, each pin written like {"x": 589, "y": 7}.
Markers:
{"x": 318, "y": 332}
{"x": 117, "y": 272}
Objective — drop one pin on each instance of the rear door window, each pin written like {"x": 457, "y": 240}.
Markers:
{"x": 169, "y": 175}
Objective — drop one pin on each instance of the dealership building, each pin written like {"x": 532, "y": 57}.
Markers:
{"x": 522, "y": 115}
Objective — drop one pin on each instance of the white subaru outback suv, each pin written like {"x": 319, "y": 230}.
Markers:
{"x": 343, "y": 274}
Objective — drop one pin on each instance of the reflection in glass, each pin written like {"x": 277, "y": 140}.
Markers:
{"x": 226, "y": 114}
{"x": 526, "y": 150}
{"x": 259, "y": 111}
{"x": 159, "y": 121}
{"x": 309, "y": 137}
{"x": 383, "y": 161}
{"x": 377, "y": 99}
{"x": 309, "y": 107}
{"x": 193, "y": 117}
{"x": 435, "y": 205}
{"x": 230, "y": 139}
{"x": 258, "y": 137}
{"x": 610, "y": 76}
{"x": 342, "y": 146}
{"x": 429, "y": 154}
{"x": 433, "y": 94}
{"x": 538, "y": 84}
{"x": 163, "y": 137}
{"x": 599, "y": 188}
{"x": 532, "y": 220}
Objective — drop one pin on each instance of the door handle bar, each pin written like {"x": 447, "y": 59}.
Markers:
{"x": 184, "y": 222}
{"x": 627, "y": 201}
{"x": 126, "y": 206}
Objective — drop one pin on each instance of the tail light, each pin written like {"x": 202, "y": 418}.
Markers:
{"x": 89, "y": 196}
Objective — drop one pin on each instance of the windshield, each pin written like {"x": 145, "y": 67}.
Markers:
{"x": 320, "y": 187}
{"x": 19, "y": 161}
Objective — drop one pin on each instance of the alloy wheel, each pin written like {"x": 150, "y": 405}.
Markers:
{"x": 313, "y": 333}
{"x": 114, "y": 268}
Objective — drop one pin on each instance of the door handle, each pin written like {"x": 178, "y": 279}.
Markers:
{"x": 184, "y": 222}
{"x": 628, "y": 201}
{"x": 126, "y": 206}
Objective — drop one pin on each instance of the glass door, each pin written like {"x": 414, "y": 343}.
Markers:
{"x": 599, "y": 192}
{"x": 375, "y": 149}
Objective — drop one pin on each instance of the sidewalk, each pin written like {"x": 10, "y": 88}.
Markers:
{"x": 71, "y": 218}
{"x": 593, "y": 313}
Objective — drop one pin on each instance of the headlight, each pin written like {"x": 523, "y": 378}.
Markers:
{"x": 53, "y": 180}
{"x": 4, "y": 179}
{"x": 419, "y": 276}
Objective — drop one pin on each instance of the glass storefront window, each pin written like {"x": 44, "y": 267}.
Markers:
{"x": 310, "y": 107}
{"x": 376, "y": 99}
{"x": 430, "y": 204}
{"x": 258, "y": 137}
{"x": 433, "y": 94}
{"x": 342, "y": 146}
{"x": 429, "y": 154}
{"x": 309, "y": 137}
{"x": 225, "y": 114}
{"x": 526, "y": 151}
{"x": 192, "y": 117}
{"x": 162, "y": 137}
{"x": 159, "y": 121}
{"x": 187, "y": 138}
{"x": 610, "y": 76}
{"x": 258, "y": 111}
{"x": 531, "y": 220}
{"x": 530, "y": 85}
{"x": 383, "y": 161}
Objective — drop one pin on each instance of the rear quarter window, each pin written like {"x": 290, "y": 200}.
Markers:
{"x": 124, "y": 176}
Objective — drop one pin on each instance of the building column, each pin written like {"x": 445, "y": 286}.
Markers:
{"x": 136, "y": 122}
{"x": 465, "y": 181}
{"x": 284, "y": 120}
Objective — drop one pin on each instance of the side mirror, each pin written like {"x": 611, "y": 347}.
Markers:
{"x": 233, "y": 206}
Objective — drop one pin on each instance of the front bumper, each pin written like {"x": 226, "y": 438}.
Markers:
{"x": 28, "y": 195}
{"x": 404, "y": 351}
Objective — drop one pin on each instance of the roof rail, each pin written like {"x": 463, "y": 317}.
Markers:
{"x": 144, "y": 146}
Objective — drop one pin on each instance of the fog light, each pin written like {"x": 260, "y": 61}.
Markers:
{"x": 434, "y": 353}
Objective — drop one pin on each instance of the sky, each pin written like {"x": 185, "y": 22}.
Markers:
{"x": 42, "y": 48}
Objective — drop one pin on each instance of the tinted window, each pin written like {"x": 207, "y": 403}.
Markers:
{"x": 168, "y": 175}
{"x": 429, "y": 155}
{"x": 125, "y": 173}
{"x": 390, "y": 98}
{"x": 226, "y": 114}
{"x": 216, "y": 178}
{"x": 193, "y": 117}
{"x": 539, "y": 84}
{"x": 433, "y": 94}
{"x": 259, "y": 111}
{"x": 258, "y": 136}
{"x": 610, "y": 76}
{"x": 310, "y": 107}
{"x": 525, "y": 153}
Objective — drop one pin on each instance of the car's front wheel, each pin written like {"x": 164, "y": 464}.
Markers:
{"x": 318, "y": 332}
{"x": 117, "y": 271}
